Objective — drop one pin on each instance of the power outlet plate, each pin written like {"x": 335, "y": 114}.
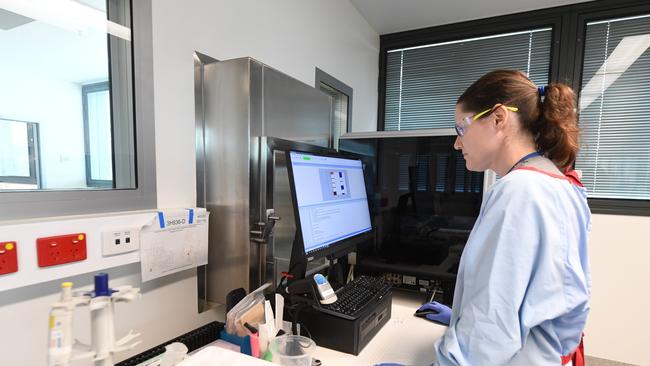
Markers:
{"x": 8, "y": 257}
{"x": 61, "y": 249}
{"x": 120, "y": 241}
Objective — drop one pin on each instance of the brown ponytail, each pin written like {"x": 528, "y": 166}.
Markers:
{"x": 557, "y": 130}
{"x": 551, "y": 119}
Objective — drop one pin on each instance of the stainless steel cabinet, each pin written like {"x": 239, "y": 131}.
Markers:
{"x": 247, "y": 115}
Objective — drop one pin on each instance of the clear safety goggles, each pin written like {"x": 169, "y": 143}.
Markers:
{"x": 461, "y": 126}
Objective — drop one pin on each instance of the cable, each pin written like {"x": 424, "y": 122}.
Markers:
{"x": 294, "y": 312}
{"x": 350, "y": 274}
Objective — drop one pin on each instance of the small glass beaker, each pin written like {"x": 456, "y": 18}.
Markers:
{"x": 292, "y": 350}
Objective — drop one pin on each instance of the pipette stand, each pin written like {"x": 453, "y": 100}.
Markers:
{"x": 102, "y": 324}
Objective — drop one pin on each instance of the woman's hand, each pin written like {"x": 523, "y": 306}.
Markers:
{"x": 436, "y": 312}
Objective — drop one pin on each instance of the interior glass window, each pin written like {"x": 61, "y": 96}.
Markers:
{"x": 66, "y": 70}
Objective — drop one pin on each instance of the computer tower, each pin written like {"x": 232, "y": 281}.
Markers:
{"x": 349, "y": 336}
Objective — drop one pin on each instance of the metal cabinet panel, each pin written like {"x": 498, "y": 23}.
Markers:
{"x": 248, "y": 114}
{"x": 295, "y": 111}
{"x": 226, "y": 139}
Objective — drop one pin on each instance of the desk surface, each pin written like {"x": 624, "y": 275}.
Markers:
{"x": 405, "y": 339}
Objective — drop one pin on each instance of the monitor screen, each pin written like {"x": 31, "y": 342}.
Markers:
{"x": 425, "y": 201}
{"x": 330, "y": 198}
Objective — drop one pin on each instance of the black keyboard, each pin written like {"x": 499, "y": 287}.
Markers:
{"x": 354, "y": 298}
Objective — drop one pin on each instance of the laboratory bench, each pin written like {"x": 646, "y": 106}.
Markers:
{"x": 404, "y": 339}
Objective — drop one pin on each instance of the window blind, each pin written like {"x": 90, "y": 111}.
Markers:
{"x": 442, "y": 160}
{"x": 424, "y": 82}
{"x": 615, "y": 109}
{"x": 422, "y": 164}
{"x": 404, "y": 162}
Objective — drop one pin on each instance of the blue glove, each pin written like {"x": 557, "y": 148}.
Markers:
{"x": 436, "y": 312}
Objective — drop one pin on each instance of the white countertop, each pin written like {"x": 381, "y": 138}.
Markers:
{"x": 405, "y": 339}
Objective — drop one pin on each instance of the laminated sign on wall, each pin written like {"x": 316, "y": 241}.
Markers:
{"x": 175, "y": 241}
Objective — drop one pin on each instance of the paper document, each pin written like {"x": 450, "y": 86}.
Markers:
{"x": 174, "y": 241}
{"x": 215, "y": 356}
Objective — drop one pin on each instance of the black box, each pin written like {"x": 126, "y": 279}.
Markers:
{"x": 349, "y": 336}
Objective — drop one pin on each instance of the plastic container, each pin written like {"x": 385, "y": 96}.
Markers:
{"x": 174, "y": 354}
{"x": 291, "y": 350}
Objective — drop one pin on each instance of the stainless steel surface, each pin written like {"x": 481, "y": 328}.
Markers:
{"x": 202, "y": 271}
{"x": 285, "y": 230}
{"x": 258, "y": 248}
{"x": 227, "y": 159}
{"x": 295, "y": 111}
{"x": 281, "y": 108}
{"x": 242, "y": 103}
{"x": 199, "y": 115}
{"x": 278, "y": 196}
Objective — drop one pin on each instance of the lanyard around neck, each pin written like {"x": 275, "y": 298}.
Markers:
{"x": 529, "y": 156}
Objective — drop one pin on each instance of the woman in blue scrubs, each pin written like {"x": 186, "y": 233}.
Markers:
{"x": 522, "y": 291}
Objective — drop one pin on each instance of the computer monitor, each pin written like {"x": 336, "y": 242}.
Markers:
{"x": 330, "y": 202}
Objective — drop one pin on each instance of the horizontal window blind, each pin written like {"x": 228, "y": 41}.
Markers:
{"x": 404, "y": 162}
{"x": 442, "y": 160}
{"x": 615, "y": 109}
{"x": 424, "y": 82}
{"x": 431, "y": 173}
{"x": 422, "y": 163}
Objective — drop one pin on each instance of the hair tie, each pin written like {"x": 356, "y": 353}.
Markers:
{"x": 541, "y": 90}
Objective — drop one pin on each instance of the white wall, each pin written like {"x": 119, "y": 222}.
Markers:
{"x": 619, "y": 254}
{"x": 166, "y": 309}
{"x": 56, "y": 106}
{"x": 292, "y": 36}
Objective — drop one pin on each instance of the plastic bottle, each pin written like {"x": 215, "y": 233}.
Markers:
{"x": 60, "y": 326}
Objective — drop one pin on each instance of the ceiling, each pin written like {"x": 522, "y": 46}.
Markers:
{"x": 389, "y": 16}
{"x": 9, "y": 20}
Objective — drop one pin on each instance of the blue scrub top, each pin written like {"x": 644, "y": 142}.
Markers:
{"x": 523, "y": 285}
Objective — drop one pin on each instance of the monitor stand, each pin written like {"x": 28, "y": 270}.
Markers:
{"x": 298, "y": 261}
{"x": 328, "y": 330}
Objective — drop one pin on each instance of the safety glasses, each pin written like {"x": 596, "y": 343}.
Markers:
{"x": 461, "y": 126}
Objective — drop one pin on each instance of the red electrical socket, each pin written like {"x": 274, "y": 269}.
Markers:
{"x": 8, "y": 257}
{"x": 61, "y": 249}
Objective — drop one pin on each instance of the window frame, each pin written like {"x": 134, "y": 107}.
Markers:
{"x": 34, "y": 157}
{"x": 584, "y": 15}
{"x": 42, "y": 204}
{"x": 85, "y": 90}
{"x": 324, "y": 78}
{"x": 569, "y": 24}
